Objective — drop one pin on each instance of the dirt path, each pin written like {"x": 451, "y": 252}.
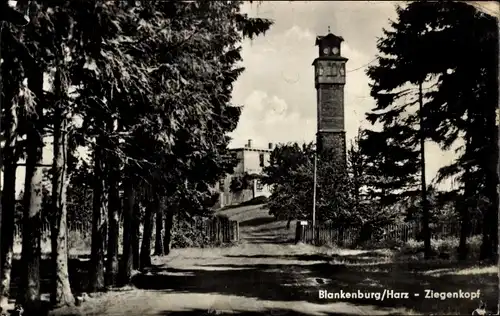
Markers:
{"x": 264, "y": 274}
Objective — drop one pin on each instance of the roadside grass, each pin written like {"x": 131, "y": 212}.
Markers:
{"x": 404, "y": 270}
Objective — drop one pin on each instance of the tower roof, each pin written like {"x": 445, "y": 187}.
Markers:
{"x": 328, "y": 36}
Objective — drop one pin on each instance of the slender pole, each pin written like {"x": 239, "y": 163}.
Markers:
{"x": 1, "y": 153}
{"x": 314, "y": 199}
{"x": 425, "y": 204}
{"x": 498, "y": 192}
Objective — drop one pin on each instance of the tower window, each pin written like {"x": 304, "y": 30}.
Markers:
{"x": 261, "y": 160}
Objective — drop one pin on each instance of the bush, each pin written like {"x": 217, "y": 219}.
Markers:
{"x": 384, "y": 244}
{"x": 448, "y": 246}
{"x": 190, "y": 234}
{"x": 186, "y": 235}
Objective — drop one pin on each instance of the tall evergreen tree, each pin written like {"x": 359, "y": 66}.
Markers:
{"x": 465, "y": 103}
{"x": 436, "y": 41}
{"x": 398, "y": 77}
{"x": 456, "y": 46}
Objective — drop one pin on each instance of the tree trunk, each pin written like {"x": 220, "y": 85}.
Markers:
{"x": 423, "y": 182}
{"x": 490, "y": 240}
{"x": 136, "y": 224}
{"x": 464, "y": 228}
{"x": 494, "y": 187}
{"x": 32, "y": 226}
{"x": 29, "y": 291}
{"x": 61, "y": 292}
{"x": 114, "y": 223}
{"x": 126, "y": 262}
{"x": 3, "y": 249}
{"x": 158, "y": 234}
{"x": 169, "y": 216}
{"x": 147, "y": 234}
{"x": 498, "y": 214}
{"x": 99, "y": 225}
{"x": 464, "y": 208}
{"x": 489, "y": 244}
{"x": 8, "y": 204}
{"x": 8, "y": 218}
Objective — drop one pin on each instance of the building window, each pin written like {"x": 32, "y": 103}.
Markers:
{"x": 260, "y": 186}
{"x": 221, "y": 185}
{"x": 261, "y": 160}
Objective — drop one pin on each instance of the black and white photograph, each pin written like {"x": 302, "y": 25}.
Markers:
{"x": 205, "y": 157}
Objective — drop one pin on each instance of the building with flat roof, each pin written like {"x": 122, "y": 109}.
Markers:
{"x": 251, "y": 162}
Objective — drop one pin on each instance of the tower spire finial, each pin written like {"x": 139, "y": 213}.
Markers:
{"x": 328, "y": 29}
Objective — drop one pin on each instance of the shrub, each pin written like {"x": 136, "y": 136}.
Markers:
{"x": 447, "y": 246}
{"x": 187, "y": 234}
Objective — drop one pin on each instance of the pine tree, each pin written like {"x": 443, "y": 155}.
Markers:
{"x": 422, "y": 46}
{"x": 456, "y": 46}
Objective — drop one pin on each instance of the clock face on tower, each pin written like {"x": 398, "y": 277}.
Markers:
{"x": 326, "y": 50}
{"x": 335, "y": 50}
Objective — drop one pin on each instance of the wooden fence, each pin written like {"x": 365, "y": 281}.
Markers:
{"x": 82, "y": 228}
{"x": 218, "y": 230}
{"x": 349, "y": 237}
{"x": 221, "y": 230}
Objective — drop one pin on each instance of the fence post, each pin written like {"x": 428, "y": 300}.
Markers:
{"x": 226, "y": 230}
{"x": 210, "y": 225}
{"x": 224, "y": 240}
{"x": 216, "y": 230}
{"x": 233, "y": 230}
{"x": 298, "y": 232}
{"x": 316, "y": 238}
{"x": 237, "y": 231}
{"x": 211, "y": 230}
{"x": 219, "y": 237}
{"x": 222, "y": 235}
{"x": 235, "y": 237}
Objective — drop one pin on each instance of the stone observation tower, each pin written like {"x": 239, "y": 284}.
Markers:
{"x": 329, "y": 80}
